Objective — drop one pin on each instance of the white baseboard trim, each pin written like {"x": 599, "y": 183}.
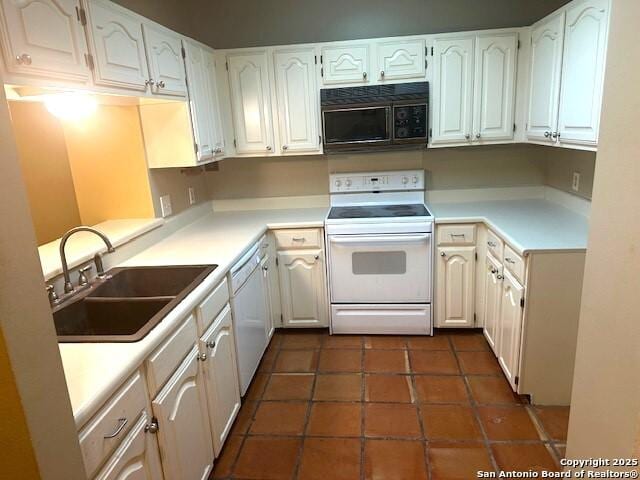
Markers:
{"x": 271, "y": 203}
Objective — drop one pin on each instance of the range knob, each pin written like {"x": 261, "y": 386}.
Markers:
{"x": 347, "y": 183}
{"x": 338, "y": 183}
{"x": 405, "y": 180}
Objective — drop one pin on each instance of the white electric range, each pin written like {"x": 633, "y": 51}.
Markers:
{"x": 380, "y": 254}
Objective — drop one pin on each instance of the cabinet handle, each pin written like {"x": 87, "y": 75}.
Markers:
{"x": 364, "y": 75}
{"x": 443, "y": 254}
{"x": 298, "y": 239}
{"x": 457, "y": 235}
{"x": 509, "y": 260}
{"x": 492, "y": 244}
{"x": 122, "y": 422}
{"x": 211, "y": 344}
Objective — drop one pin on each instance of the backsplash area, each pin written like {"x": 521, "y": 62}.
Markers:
{"x": 446, "y": 168}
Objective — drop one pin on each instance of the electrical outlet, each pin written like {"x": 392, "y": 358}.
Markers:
{"x": 575, "y": 186}
{"x": 192, "y": 196}
{"x": 165, "y": 205}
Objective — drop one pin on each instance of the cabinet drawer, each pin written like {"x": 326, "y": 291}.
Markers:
{"x": 495, "y": 244}
{"x": 456, "y": 234}
{"x": 208, "y": 310}
{"x": 298, "y": 238}
{"x": 108, "y": 427}
{"x": 514, "y": 263}
{"x": 168, "y": 356}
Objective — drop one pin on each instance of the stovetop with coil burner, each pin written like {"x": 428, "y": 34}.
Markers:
{"x": 379, "y": 211}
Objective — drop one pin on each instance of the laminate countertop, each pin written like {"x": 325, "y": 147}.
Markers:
{"x": 529, "y": 225}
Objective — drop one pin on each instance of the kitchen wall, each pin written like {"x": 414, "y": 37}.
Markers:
{"x": 45, "y": 170}
{"x": 487, "y": 166}
{"x": 560, "y": 163}
{"x": 176, "y": 182}
{"x": 243, "y": 23}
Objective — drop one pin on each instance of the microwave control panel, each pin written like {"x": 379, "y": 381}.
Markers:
{"x": 410, "y": 122}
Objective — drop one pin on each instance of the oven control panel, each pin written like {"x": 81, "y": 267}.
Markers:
{"x": 405, "y": 180}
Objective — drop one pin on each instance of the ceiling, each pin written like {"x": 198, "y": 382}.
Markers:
{"x": 244, "y": 23}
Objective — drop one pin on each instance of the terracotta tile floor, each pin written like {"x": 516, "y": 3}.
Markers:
{"x": 397, "y": 408}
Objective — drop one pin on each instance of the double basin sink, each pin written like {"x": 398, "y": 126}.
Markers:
{"x": 127, "y": 304}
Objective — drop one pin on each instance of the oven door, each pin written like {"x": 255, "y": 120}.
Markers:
{"x": 392, "y": 268}
{"x": 357, "y": 127}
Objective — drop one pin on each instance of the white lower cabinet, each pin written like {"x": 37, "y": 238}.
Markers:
{"x": 493, "y": 284}
{"x": 455, "y": 286}
{"x": 510, "y": 327}
{"x": 137, "y": 458}
{"x": 218, "y": 352}
{"x": 184, "y": 434}
{"x": 272, "y": 288}
{"x": 302, "y": 288}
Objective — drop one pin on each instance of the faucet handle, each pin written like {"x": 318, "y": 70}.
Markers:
{"x": 82, "y": 275}
{"x": 53, "y": 296}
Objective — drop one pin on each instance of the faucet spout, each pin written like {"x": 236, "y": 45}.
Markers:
{"x": 68, "y": 286}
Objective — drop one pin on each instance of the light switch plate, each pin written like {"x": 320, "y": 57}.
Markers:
{"x": 165, "y": 205}
{"x": 575, "y": 186}
{"x": 192, "y": 196}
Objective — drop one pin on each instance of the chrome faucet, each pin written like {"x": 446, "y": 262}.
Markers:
{"x": 68, "y": 286}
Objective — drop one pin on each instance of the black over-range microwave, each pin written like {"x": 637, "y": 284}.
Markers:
{"x": 376, "y": 116}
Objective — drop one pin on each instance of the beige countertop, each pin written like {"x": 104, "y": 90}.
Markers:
{"x": 94, "y": 370}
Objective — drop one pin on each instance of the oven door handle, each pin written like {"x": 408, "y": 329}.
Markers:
{"x": 377, "y": 240}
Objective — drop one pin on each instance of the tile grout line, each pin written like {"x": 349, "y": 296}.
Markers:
{"x": 414, "y": 394}
{"x": 362, "y": 409}
{"x": 474, "y": 409}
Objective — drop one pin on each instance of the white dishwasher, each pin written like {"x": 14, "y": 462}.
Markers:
{"x": 250, "y": 313}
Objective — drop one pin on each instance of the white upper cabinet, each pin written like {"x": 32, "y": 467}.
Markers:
{"x": 345, "y": 63}
{"x": 544, "y": 80}
{"x": 298, "y": 100}
{"x": 494, "y": 92}
{"x": 118, "y": 46}
{"x": 453, "y": 90}
{"x": 585, "y": 42}
{"x": 251, "y": 101}
{"x": 164, "y": 54}
{"x": 44, "y": 38}
{"x": 200, "y": 99}
{"x": 401, "y": 59}
{"x": 216, "y": 117}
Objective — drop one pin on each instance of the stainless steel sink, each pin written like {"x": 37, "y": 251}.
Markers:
{"x": 127, "y": 304}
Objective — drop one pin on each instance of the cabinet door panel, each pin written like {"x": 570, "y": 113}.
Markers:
{"x": 585, "y": 41}
{"x": 216, "y": 119}
{"x": 184, "y": 434}
{"x": 137, "y": 458}
{"x": 455, "y": 286}
{"x": 494, "y": 94}
{"x": 401, "y": 59}
{"x": 297, "y": 100}
{"x": 347, "y": 64}
{"x": 118, "y": 44}
{"x": 493, "y": 290}
{"x": 200, "y": 99}
{"x": 249, "y": 83}
{"x": 221, "y": 373}
{"x": 302, "y": 288}
{"x": 164, "y": 53}
{"x": 544, "y": 79}
{"x": 453, "y": 90}
{"x": 44, "y": 38}
{"x": 510, "y": 325}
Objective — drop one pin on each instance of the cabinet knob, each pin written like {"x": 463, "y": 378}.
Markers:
{"x": 149, "y": 83}
{"x": 494, "y": 271}
{"x": 161, "y": 84}
{"x": 211, "y": 344}
{"x": 478, "y": 135}
{"x": 217, "y": 150}
{"x": 202, "y": 357}
{"x": 265, "y": 268}
{"x": 467, "y": 136}
{"x": 269, "y": 147}
{"x": 285, "y": 147}
{"x": 364, "y": 74}
{"x": 152, "y": 427}
{"x": 547, "y": 134}
{"x": 382, "y": 73}
{"x": 555, "y": 135}
{"x": 492, "y": 244}
{"x": 443, "y": 254}
{"x": 500, "y": 277}
{"x": 24, "y": 59}
{"x": 317, "y": 257}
